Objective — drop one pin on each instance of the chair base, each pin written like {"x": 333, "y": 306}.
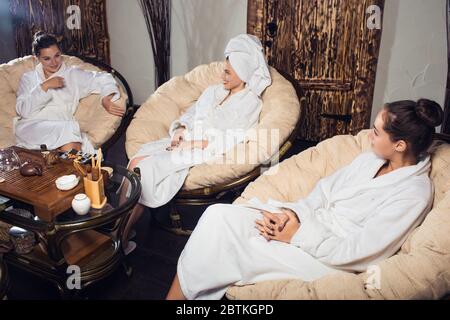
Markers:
{"x": 180, "y": 216}
{"x": 179, "y": 231}
{"x": 170, "y": 219}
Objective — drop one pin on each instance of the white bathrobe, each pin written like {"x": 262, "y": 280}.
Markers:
{"x": 48, "y": 117}
{"x": 223, "y": 124}
{"x": 349, "y": 222}
{"x": 164, "y": 172}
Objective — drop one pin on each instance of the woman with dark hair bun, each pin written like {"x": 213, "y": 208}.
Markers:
{"x": 353, "y": 219}
{"x": 42, "y": 40}
{"x": 413, "y": 123}
{"x": 48, "y": 97}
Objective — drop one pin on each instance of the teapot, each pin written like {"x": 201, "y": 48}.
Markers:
{"x": 31, "y": 169}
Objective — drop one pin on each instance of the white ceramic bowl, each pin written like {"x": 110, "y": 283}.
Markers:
{"x": 67, "y": 182}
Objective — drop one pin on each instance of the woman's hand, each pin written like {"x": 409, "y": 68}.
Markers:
{"x": 53, "y": 83}
{"x": 271, "y": 221}
{"x": 201, "y": 144}
{"x": 192, "y": 144}
{"x": 280, "y": 227}
{"x": 177, "y": 137}
{"x": 111, "y": 107}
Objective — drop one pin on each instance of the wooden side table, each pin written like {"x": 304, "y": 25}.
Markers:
{"x": 72, "y": 249}
{"x": 40, "y": 192}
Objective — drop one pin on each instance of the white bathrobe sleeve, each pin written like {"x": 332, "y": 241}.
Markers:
{"x": 380, "y": 237}
{"x": 222, "y": 141}
{"x": 101, "y": 83}
{"x": 30, "y": 97}
{"x": 186, "y": 120}
{"x": 243, "y": 119}
{"x": 317, "y": 198}
{"x": 194, "y": 113}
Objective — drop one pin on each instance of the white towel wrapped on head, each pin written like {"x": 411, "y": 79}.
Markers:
{"x": 246, "y": 56}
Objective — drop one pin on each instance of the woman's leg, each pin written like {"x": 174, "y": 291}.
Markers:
{"x": 137, "y": 210}
{"x": 175, "y": 292}
{"x": 134, "y": 217}
{"x": 226, "y": 249}
{"x": 70, "y": 146}
{"x": 215, "y": 253}
{"x": 63, "y": 135}
{"x": 124, "y": 188}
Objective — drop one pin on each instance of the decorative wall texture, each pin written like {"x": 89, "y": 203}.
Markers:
{"x": 157, "y": 14}
{"x": 91, "y": 39}
{"x": 328, "y": 49}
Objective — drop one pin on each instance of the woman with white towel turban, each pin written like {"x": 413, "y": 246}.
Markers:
{"x": 209, "y": 128}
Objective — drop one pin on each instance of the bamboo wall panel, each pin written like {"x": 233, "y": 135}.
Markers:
{"x": 91, "y": 40}
{"x": 327, "y": 48}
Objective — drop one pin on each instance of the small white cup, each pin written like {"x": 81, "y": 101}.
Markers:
{"x": 65, "y": 183}
{"x": 81, "y": 204}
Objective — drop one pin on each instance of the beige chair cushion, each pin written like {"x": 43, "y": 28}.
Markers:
{"x": 281, "y": 111}
{"x": 421, "y": 268}
{"x": 92, "y": 117}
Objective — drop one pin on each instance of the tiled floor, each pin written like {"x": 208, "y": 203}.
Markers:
{"x": 153, "y": 261}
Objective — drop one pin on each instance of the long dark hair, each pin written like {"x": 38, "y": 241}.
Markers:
{"x": 43, "y": 40}
{"x": 413, "y": 122}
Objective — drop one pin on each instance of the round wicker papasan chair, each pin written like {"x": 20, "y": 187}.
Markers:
{"x": 212, "y": 182}
{"x": 102, "y": 128}
{"x": 419, "y": 270}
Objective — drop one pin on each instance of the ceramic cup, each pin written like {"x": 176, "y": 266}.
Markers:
{"x": 81, "y": 204}
{"x": 67, "y": 182}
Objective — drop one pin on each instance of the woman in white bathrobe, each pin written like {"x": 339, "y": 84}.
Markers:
{"x": 212, "y": 126}
{"x": 351, "y": 220}
{"x": 48, "y": 97}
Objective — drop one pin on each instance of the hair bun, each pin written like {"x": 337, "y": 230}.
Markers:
{"x": 39, "y": 34}
{"x": 430, "y": 112}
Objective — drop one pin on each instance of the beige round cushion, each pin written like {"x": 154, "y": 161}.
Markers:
{"x": 279, "y": 116}
{"x": 92, "y": 117}
{"x": 421, "y": 268}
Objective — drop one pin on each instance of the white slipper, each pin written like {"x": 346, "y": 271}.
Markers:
{"x": 130, "y": 248}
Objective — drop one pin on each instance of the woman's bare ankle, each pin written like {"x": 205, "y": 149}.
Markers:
{"x": 70, "y": 146}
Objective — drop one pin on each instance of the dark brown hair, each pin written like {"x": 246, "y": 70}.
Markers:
{"x": 43, "y": 40}
{"x": 413, "y": 122}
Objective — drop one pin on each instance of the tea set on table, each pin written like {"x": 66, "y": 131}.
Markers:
{"x": 94, "y": 176}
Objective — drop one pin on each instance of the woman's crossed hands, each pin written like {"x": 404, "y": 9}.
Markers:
{"x": 279, "y": 227}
